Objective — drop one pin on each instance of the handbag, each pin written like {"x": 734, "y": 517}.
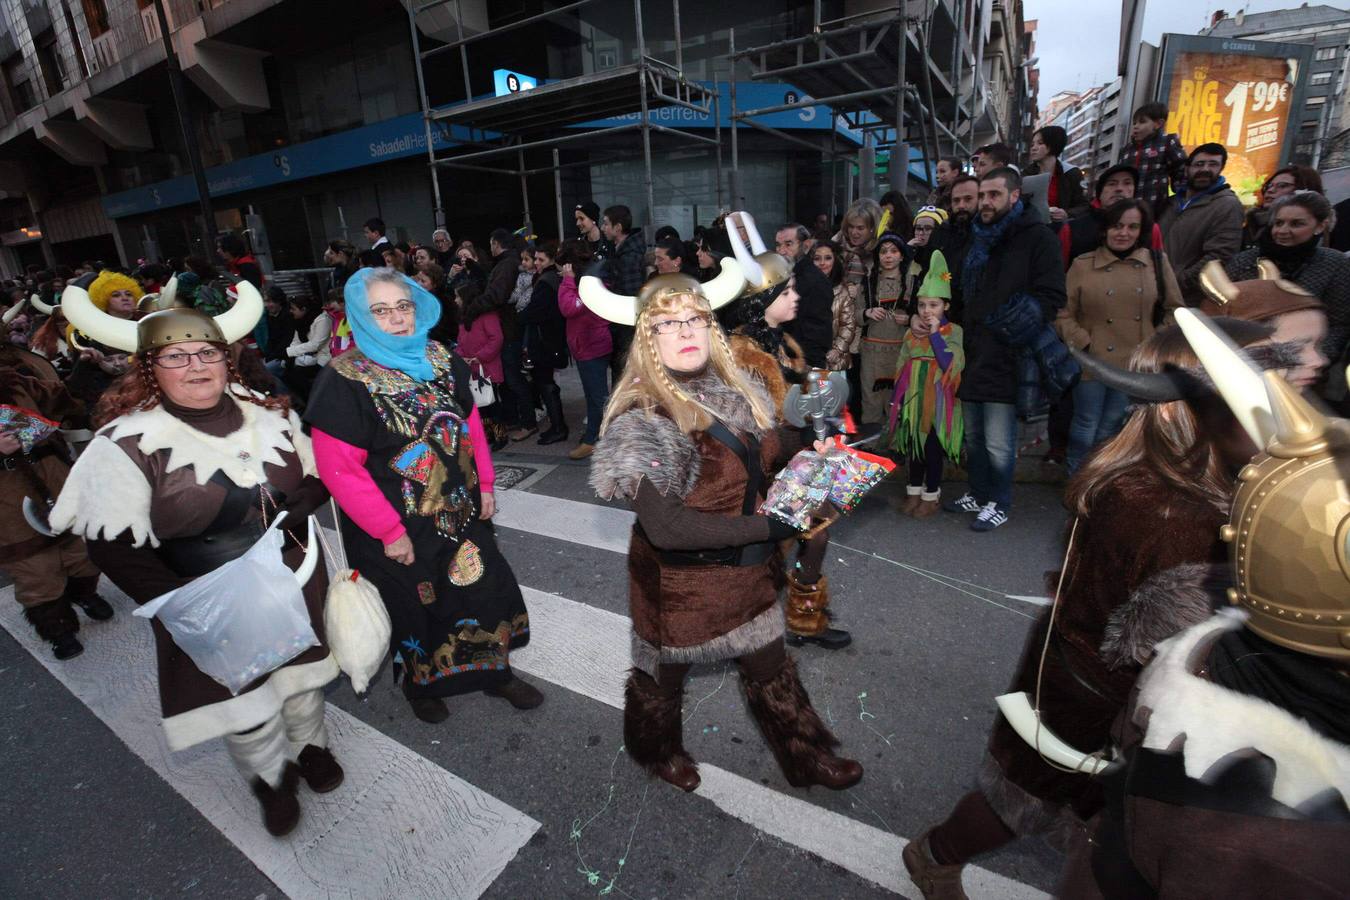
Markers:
{"x": 481, "y": 387}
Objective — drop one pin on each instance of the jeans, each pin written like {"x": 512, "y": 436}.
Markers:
{"x": 991, "y": 450}
{"x": 1098, "y": 413}
{"x": 595, "y": 383}
{"x": 517, "y": 404}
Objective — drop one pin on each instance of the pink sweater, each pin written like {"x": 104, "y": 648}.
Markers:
{"x": 587, "y": 334}
{"x": 342, "y": 468}
{"x": 483, "y": 341}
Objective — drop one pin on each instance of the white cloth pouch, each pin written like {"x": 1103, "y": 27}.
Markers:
{"x": 241, "y": 621}
{"x": 358, "y": 627}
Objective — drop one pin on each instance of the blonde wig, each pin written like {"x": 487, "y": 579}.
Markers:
{"x": 646, "y": 384}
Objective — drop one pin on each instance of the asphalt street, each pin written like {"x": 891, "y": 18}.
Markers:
{"x": 939, "y": 615}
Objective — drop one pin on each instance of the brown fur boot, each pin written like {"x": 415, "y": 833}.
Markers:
{"x": 652, "y": 727}
{"x": 795, "y": 733}
{"x": 807, "y": 620}
{"x": 911, "y": 501}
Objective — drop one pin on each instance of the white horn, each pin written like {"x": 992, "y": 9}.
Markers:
{"x": 239, "y": 320}
{"x": 43, "y": 308}
{"x": 1233, "y": 373}
{"x": 727, "y": 286}
{"x": 605, "y": 303}
{"x": 168, "y": 293}
{"x": 93, "y": 322}
{"x": 1017, "y": 709}
{"x": 311, "y": 560}
{"x": 756, "y": 242}
{"x": 750, "y": 269}
{"x": 13, "y": 312}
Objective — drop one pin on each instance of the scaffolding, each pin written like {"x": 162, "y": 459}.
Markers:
{"x": 512, "y": 124}
{"x": 874, "y": 72}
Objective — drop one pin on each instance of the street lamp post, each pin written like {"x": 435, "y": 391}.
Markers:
{"x": 179, "y": 91}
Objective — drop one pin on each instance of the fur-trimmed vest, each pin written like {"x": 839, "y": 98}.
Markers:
{"x": 774, "y": 373}
{"x": 691, "y": 613}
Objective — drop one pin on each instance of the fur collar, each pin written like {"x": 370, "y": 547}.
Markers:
{"x": 241, "y": 455}
{"x": 644, "y": 443}
{"x": 1213, "y": 726}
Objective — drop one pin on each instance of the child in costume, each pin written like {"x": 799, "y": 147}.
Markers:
{"x": 924, "y": 422}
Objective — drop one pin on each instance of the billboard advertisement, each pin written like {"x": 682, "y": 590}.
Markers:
{"x": 1246, "y": 95}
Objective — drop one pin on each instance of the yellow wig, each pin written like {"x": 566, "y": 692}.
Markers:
{"x": 107, "y": 282}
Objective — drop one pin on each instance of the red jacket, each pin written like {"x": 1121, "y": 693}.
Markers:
{"x": 483, "y": 341}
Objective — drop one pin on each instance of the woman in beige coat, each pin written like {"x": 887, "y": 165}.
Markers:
{"x": 1119, "y": 294}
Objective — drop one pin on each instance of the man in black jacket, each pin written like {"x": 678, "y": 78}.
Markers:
{"x": 1011, "y": 254}
{"x": 814, "y": 326}
{"x": 626, "y": 273}
{"x": 519, "y": 404}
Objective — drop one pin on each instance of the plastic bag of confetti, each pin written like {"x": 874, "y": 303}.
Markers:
{"x": 855, "y": 473}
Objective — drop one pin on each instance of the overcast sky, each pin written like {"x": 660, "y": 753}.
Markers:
{"x": 1077, "y": 48}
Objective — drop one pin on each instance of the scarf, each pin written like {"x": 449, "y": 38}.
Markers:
{"x": 1289, "y": 259}
{"x": 986, "y": 237}
{"x": 406, "y": 353}
{"x": 1301, "y": 685}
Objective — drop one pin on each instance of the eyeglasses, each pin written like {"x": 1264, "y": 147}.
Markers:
{"x": 1288, "y": 185}
{"x": 383, "y": 312}
{"x": 178, "y": 359}
{"x": 675, "y": 326}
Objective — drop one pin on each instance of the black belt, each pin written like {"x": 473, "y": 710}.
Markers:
{"x": 746, "y": 555}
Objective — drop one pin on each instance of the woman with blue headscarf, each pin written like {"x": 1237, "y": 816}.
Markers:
{"x": 400, "y": 445}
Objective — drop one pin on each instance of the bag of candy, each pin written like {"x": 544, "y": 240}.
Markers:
{"x": 855, "y": 473}
{"x": 800, "y": 489}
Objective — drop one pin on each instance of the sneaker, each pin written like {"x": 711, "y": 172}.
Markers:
{"x": 990, "y": 517}
{"x": 965, "y": 503}
{"x": 581, "y": 451}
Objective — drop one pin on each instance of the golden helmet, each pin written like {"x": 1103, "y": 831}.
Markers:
{"x": 763, "y": 268}
{"x": 1289, "y": 532}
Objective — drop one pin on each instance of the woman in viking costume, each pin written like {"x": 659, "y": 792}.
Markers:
{"x": 99, "y": 364}
{"x": 1148, "y": 505}
{"x": 689, "y": 440}
{"x": 178, "y": 482}
{"x": 772, "y": 357}
{"x": 52, "y": 574}
{"x": 1236, "y": 768}
{"x": 400, "y": 444}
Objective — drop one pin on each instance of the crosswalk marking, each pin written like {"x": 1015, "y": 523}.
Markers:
{"x": 400, "y": 825}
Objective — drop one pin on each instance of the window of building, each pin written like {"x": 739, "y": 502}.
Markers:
{"x": 1325, "y": 54}
{"x": 49, "y": 61}
{"x": 1315, "y": 101}
{"x": 1320, "y": 78}
{"x": 96, "y": 14}
{"x": 22, "y": 92}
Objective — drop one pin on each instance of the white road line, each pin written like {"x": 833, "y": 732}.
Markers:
{"x": 602, "y": 527}
{"x": 400, "y": 825}
{"x": 586, "y": 650}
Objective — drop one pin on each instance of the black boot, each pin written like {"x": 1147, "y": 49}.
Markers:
{"x": 652, "y": 731}
{"x": 319, "y": 769}
{"x": 557, "y": 427}
{"x": 55, "y": 621}
{"x": 83, "y": 592}
{"x": 800, "y": 742}
{"x": 280, "y": 808}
